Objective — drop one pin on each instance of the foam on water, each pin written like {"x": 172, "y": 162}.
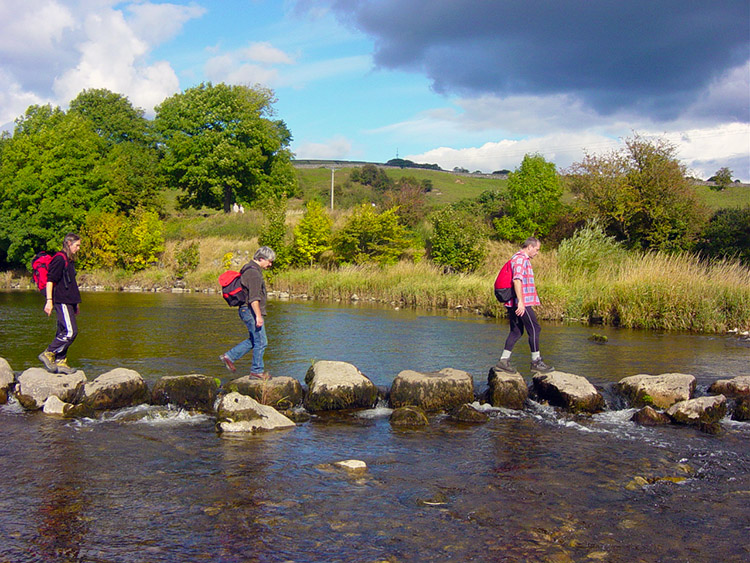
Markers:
{"x": 148, "y": 414}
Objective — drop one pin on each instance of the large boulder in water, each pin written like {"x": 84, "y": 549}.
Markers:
{"x": 660, "y": 391}
{"x": 338, "y": 385}
{"x": 703, "y": 411}
{"x": 7, "y": 379}
{"x": 734, "y": 388}
{"x": 193, "y": 391}
{"x": 116, "y": 389}
{"x": 432, "y": 391}
{"x": 648, "y": 416}
{"x": 239, "y": 413}
{"x": 569, "y": 391}
{"x": 507, "y": 390}
{"x": 279, "y": 392}
{"x": 36, "y": 384}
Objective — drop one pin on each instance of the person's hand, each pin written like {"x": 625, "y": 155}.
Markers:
{"x": 259, "y": 321}
{"x": 48, "y": 307}
{"x": 520, "y": 310}
{"x": 78, "y": 308}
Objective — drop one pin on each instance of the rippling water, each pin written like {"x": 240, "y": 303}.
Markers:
{"x": 151, "y": 484}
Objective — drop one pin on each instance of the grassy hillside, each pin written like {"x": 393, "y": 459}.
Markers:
{"x": 449, "y": 187}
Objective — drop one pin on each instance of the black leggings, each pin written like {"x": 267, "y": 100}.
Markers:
{"x": 517, "y": 325}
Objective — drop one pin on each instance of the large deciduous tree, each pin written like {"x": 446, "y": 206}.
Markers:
{"x": 221, "y": 145}
{"x": 50, "y": 176}
{"x": 533, "y": 204}
{"x": 641, "y": 195}
{"x": 112, "y": 115}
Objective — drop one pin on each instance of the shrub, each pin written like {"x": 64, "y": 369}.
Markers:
{"x": 274, "y": 231}
{"x": 312, "y": 236}
{"x": 457, "y": 241}
{"x": 588, "y": 249}
{"x": 187, "y": 257}
{"x": 727, "y": 235}
{"x": 369, "y": 236}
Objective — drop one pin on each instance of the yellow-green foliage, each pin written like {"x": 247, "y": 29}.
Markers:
{"x": 312, "y": 235}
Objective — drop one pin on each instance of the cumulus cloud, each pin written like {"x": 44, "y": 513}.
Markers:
{"x": 255, "y": 64}
{"x": 336, "y": 148}
{"x": 50, "y": 50}
{"x": 653, "y": 58}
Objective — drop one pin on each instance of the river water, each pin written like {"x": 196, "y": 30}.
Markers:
{"x": 145, "y": 485}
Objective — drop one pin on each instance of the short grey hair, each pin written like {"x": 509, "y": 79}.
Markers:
{"x": 265, "y": 252}
{"x": 531, "y": 241}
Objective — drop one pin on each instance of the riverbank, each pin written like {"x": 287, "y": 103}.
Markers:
{"x": 654, "y": 291}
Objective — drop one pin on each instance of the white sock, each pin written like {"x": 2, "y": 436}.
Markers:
{"x": 536, "y": 356}
{"x": 505, "y": 355}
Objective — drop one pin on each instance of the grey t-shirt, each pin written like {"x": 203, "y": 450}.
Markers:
{"x": 252, "y": 280}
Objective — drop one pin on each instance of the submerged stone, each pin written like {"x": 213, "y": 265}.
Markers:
{"x": 192, "y": 392}
{"x": 239, "y": 413}
{"x": 467, "y": 413}
{"x": 116, "y": 389}
{"x": 54, "y": 406}
{"x": 741, "y": 410}
{"x": 568, "y": 391}
{"x": 660, "y": 391}
{"x": 648, "y": 416}
{"x": 279, "y": 392}
{"x": 409, "y": 416}
{"x": 338, "y": 385}
{"x": 35, "y": 385}
{"x": 432, "y": 391}
{"x": 507, "y": 390}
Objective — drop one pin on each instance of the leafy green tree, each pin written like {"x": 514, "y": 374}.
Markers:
{"x": 50, "y": 178}
{"x": 221, "y": 145}
{"x": 112, "y": 115}
{"x": 409, "y": 197}
{"x": 727, "y": 235}
{"x": 140, "y": 240}
{"x": 534, "y": 200}
{"x": 371, "y": 175}
{"x": 640, "y": 194}
{"x": 312, "y": 235}
{"x": 133, "y": 177}
{"x": 369, "y": 236}
{"x": 274, "y": 233}
{"x": 458, "y": 240}
{"x": 721, "y": 179}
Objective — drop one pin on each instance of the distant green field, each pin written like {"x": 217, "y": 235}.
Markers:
{"x": 448, "y": 187}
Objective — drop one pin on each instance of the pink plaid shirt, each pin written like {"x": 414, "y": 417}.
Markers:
{"x": 522, "y": 270}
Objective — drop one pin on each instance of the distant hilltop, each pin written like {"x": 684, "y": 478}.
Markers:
{"x": 393, "y": 163}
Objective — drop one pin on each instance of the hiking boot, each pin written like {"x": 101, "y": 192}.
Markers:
{"x": 48, "y": 359}
{"x": 228, "y": 363}
{"x": 540, "y": 367}
{"x": 63, "y": 367}
{"x": 265, "y": 376}
{"x": 504, "y": 365}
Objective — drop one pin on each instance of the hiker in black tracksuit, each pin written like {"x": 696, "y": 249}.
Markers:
{"x": 62, "y": 296}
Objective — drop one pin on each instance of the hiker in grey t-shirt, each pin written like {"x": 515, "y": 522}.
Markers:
{"x": 253, "y": 313}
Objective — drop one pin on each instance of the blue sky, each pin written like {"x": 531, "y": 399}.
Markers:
{"x": 469, "y": 83}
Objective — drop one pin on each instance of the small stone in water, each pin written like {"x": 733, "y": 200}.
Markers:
{"x": 351, "y": 465}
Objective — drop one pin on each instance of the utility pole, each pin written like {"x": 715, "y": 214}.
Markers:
{"x": 332, "y": 176}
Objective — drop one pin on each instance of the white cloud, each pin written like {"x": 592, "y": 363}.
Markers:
{"x": 336, "y": 148}
{"x": 112, "y": 58}
{"x": 264, "y": 52}
{"x": 157, "y": 23}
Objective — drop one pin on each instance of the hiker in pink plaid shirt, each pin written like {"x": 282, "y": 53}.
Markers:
{"x": 521, "y": 309}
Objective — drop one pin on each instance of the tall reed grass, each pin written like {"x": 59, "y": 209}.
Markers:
{"x": 584, "y": 282}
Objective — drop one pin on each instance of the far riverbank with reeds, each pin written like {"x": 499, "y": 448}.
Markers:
{"x": 655, "y": 291}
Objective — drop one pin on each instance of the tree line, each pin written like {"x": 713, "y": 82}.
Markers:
{"x": 102, "y": 167}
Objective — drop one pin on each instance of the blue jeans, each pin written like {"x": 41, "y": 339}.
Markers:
{"x": 256, "y": 341}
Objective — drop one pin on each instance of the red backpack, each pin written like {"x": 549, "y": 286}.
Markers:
{"x": 40, "y": 267}
{"x": 231, "y": 288}
{"x": 504, "y": 283}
